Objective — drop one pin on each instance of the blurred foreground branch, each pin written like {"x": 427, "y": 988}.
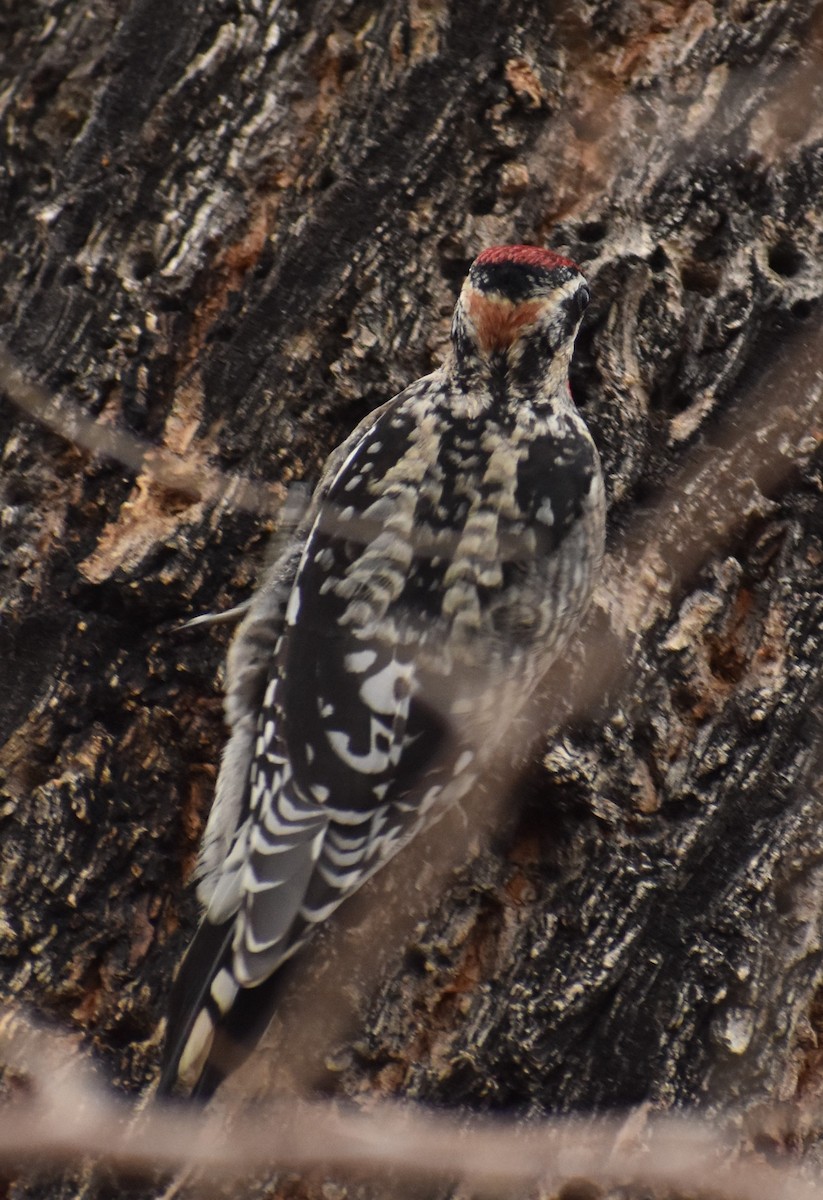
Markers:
{"x": 69, "y": 1119}
{"x": 190, "y": 475}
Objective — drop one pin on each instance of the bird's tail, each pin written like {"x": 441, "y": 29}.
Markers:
{"x": 213, "y": 1024}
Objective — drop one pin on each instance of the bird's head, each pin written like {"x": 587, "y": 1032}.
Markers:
{"x": 519, "y": 311}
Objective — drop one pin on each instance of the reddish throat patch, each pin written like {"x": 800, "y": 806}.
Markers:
{"x": 499, "y": 322}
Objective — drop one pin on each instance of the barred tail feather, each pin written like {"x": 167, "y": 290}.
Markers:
{"x": 213, "y": 1023}
{"x": 190, "y": 1021}
{"x": 238, "y": 1031}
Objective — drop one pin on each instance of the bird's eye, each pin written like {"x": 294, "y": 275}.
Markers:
{"x": 581, "y": 298}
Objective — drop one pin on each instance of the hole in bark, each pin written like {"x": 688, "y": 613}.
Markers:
{"x": 592, "y": 231}
{"x": 169, "y": 303}
{"x": 71, "y": 275}
{"x": 785, "y": 259}
{"x": 223, "y": 332}
{"x": 802, "y": 309}
{"x": 677, "y": 402}
{"x": 659, "y": 260}
{"x": 700, "y": 278}
{"x": 18, "y": 492}
{"x": 107, "y": 338}
{"x": 785, "y": 898}
{"x": 143, "y": 264}
{"x": 417, "y": 960}
{"x": 64, "y": 378}
{"x": 484, "y": 199}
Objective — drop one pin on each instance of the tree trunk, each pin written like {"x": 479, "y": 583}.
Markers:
{"x": 231, "y": 229}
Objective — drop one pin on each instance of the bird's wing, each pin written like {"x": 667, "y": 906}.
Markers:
{"x": 249, "y": 664}
{"x": 347, "y": 732}
{"x": 318, "y": 782}
{"x": 248, "y": 668}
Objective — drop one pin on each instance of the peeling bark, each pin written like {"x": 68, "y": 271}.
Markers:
{"x": 232, "y": 229}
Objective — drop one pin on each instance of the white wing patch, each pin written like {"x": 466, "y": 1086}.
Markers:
{"x": 380, "y": 691}
{"x": 360, "y": 661}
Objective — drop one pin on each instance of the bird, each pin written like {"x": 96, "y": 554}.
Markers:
{"x": 446, "y": 557}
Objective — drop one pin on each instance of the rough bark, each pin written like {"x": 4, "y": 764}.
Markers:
{"x": 231, "y": 229}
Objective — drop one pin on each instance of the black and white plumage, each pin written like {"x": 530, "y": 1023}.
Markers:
{"x": 445, "y": 559}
